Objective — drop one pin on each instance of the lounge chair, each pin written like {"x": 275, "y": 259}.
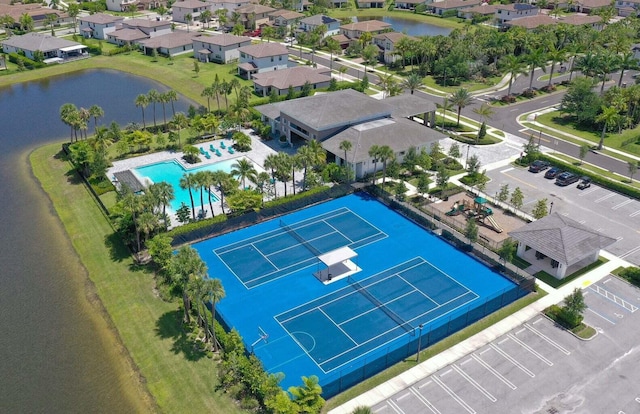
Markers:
{"x": 218, "y": 154}
{"x": 231, "y": 151}
{"x": 212, "y": 148}
{"x": 222, "y": 145}
{"x": 201, "y": 150}
{"x": 207, "y": 155}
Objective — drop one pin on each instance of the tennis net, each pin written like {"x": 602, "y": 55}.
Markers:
{"x": 397, "y": 319}
{"x": 299, "y": 238}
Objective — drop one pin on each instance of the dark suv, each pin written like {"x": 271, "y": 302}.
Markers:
{"x": 566, "y": 178}
{"x": 552, "y": 173}
{"x": 538, "y": 165}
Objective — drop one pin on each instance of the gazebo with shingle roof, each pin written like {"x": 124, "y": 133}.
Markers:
{"x": 567, "y": 244}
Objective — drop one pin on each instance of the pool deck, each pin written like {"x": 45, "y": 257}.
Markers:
{"x": 259, "y": 151}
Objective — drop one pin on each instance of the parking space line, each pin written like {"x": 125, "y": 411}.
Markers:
{"x": 512, "y": 360}
{"x": 455, "y": 396}
{"x": 592, "y": 190}
{"x": 475, "y": 384}
{"x": 520, "y": 331}
{"x": 604, "y": 197}
{"x": 466, "y": 361}
{"x": 614, "y": 298}
{"x": 602, "y": 316}
{"x": 445, "y": 373}
{"x": 403, "y": 396}
{"x": 635, "y": 213}
{"x": 424, "y": 401}
{"x": 508, "y": 169}
{"x": 546, "y": 338}
{"x": 624, "y": 203}
{"x": 377, "y": 410}
{"x": 424, "y": 385}
{"x": 494, "y": 372}
{"x": 395, "y": 407}
{"x": 533, "y": 351}
{"x": 632, "y": 251}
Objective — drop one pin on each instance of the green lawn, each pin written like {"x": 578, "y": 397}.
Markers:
{"x": 555, "y": 283}
{"x": 177, "y": 379}
{"x": 470, "y": 86}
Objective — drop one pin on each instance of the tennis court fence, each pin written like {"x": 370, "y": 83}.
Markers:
{"x": 426, "y": 336}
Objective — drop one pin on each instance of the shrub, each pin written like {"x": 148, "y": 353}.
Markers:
{"x": 632, "y": 274}
{"x": 508, "y": 99}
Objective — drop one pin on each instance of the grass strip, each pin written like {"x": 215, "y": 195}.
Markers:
{"x": 556, "y": 283}
{"x": 170, "y": 370}
{"x": 433, "y": 350}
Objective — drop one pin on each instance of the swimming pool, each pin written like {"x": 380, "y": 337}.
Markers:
{"x": 171, "y": 172}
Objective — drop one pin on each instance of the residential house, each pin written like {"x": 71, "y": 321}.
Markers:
{"x": 386, "y": 42}
{"x": 285, "y": 18}
{"x": 533, "y": 22}
{"x": 53, "y": 48}
{"x": 507, "y": 12}
{"x": 229, "y": 5}
{"x": 589, "y": 6}
{"x": 251, "y": 16}
{"x": 222, "y": 48}
{"x": 337, "y": 4}
{"x": 180, "y": 9}
{"x": 262, "y": 57}
{"x": 97, "y": 25}
{"x": 342, "y": 40}
{"x": 559, "y": 245}
{"x": 408, "y": 4}
{"x": 309, "y": 24}
{"x": 449, "y": 6}
{"x": 280, "y": 81}
{"x": 355, "y": 30}
{"x": 169, "y": 44}
{"x": 627, "y": 7}
{"x": 132, "y": 31}
{"x": 370, "y": 4}
{"x": 352, "y": 116}
{"x": 34, "y": 10}
{"x": 483, "y": 9}
{"x": 123, "y": 5}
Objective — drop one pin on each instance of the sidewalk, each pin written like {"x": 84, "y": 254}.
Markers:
{"x": 432, "y": 365}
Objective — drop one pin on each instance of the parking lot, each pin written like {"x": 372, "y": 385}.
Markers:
{"x": 611, "y": 213}
{"x": 541, "y": 368}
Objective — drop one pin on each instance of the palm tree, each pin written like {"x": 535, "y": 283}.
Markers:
{"x": 271, "y": 163}
{"x": 306, "y": 158}
{"x": 147, "y": 223}
{"x": 385, "y": 155}
{"x": 142, "y": 101}
{"x": 333, "y": 47}
{"x": 609, "y": 118}
{"x": 412, "y": 82}
{"x": 208, "y": 93}
{"x": 187, "y": 182}
{"x": 180, "y": 121}
{"x": 374, "y": 152}
{"x": 319, "y": 153}
{"x": 460, "y": 98}
{"x": 626, "y": 61}
{"x": 67, "y": 113}
{"x": 535, "y": 59}
{"x": 267, "y": 33}
{"x": 133, "y": 205}
{"x": 485, "y": 111}
{"x": 209, "y": 180}
{"x": 188, "y": 18}
{"x": 216, "y": 293}
{"x": 607, "y": 63}
{"x": 201, "y": 183}
{"x": 154, "y": 97}
{"x": 165, "y": 194}
{"x": 73, "y": 11}
{"x": 172, "y": 96}
{"x": 216, "y": 88}
{"x": 555, "y": 56}
{"x": 185, "y": 266}
{"x": 283, "y": 169}
{"x": 225, "y": 184}
{"x": 96, "y": 112}
{"x": 514, "y": 67}
{"x": 205, "y": 17}
{"x": 308, "y": 396}
{"x": 345, "y": 146}
{"x": 243, "y": 169}
{"x": 164, "y": 99}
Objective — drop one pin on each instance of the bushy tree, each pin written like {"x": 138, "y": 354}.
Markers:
{"x": 581, "y": 101}
{"x": 471, "y": 230}
{"x": 508, "y": 250}
{"x": 517, "y": 198}
{"x": 503, "y": 195}
{"x": 540, "y": 209}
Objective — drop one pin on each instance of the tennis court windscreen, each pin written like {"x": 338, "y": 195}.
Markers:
{"x": 397, "y": 319}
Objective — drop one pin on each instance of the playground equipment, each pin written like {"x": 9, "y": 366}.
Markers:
{"x": 479, "y": 210}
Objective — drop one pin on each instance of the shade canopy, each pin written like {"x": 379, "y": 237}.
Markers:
{"x": 337, "y": 256}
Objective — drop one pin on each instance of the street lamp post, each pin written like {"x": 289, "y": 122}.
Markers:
{"x": 466, "y": 162}
{"x": 550, "y": 208}
{"x": 419, "y": 342}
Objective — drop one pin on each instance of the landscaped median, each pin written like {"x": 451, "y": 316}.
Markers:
{"x": 171, "y": 377}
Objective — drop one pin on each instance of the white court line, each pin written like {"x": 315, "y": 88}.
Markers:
{"x": 604, "y": 197}
{"x": 546, "y": 338}
{"x": 455, "y": 396}
{"x": 507, "y": 170}
{"x": 494, "y": 372}
{"x": 338, "y": 326}
{"x": 475, "y": 384}
{"x": 624, "y": 203}
{"x": 533, "y": 351}
{"x": 424, "y": 401}
{"x": 512, "y": 360}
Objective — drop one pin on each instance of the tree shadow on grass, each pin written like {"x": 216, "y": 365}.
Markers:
{"x": 169, "y": 326}
{"x": 117, "y": 250}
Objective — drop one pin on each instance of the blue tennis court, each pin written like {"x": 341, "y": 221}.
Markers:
{"x": 409, "y": 286}
{"x": 290, "y": 248}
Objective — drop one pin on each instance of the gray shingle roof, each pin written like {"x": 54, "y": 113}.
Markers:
{"x": 100, "y": 18}
{"x": 38, "y": 41}
{"x": 265, "y": 50}
{"x": 409, "y": 105}
{"x": 294, "y": 77}
{"x": 562, "y": 238}
{"x": 398, "y": 133}
{"x": 318, "y": 19}
{"x": 170, "y": 40}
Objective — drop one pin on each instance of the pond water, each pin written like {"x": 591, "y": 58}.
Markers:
{"x": 410, "y": 27}
{"x": 56, "y": 353}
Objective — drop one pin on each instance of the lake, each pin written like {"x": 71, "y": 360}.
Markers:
{"x": 56, "y": 352}
{"x": 410, "y": 27}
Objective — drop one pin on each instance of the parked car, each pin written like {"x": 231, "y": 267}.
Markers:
{"x": 552, "y": 173}
{"x": 538, "y": 165}
{"x": 585, "y": 182}
{"x": 566, "y": 178}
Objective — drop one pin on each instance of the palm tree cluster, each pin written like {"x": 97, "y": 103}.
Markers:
{"x": 282, "y": 167}
{"x": 78, "y": 119}
{"x": 154, "y": 97}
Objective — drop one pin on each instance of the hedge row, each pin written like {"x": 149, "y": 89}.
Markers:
{"x": 28, "y": 63}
